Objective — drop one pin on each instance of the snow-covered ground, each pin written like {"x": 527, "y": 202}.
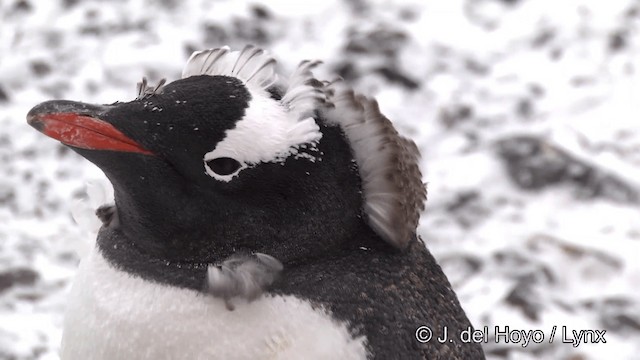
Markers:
{"x": 525, "y": 111}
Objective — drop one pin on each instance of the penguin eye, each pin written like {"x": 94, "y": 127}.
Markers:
{"x": 223, "y": 165}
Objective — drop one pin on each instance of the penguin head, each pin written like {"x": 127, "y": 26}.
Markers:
{"x": 230, "y": 158}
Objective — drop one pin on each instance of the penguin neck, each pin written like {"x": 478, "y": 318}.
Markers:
{"x": 134, "y": 243}
{"x": 125, "y": 254}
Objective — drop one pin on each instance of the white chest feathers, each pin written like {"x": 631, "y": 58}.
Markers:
{"x": 113, "y": 315}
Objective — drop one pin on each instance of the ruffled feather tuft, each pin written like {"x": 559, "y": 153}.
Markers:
{"x": 393, "y": 191}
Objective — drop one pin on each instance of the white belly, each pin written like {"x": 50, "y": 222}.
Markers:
{"x": 113, "y": 315}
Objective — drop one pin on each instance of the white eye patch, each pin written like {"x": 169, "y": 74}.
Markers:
{"x": 267, "y": 133}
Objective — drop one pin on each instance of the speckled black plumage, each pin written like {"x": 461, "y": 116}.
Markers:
{"x": 386, "y": 295}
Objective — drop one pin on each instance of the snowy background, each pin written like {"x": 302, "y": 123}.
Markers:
{"x": 526, "y": 113}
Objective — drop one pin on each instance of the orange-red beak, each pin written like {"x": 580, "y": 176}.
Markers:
{"x": 77, "y": 125}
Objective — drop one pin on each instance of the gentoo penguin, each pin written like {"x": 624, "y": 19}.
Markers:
{"x": 255, "y": 217}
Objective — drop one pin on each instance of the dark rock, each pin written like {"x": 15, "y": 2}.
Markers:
{"x": 395, "y": 76}
{"x": 632, "y": 12}
{"x": 30, "y": 297}
{"x": 23, "y": 5}
{"x": 380, "y": 48}
{"x": 455, "y": 114}
{"x": 5, "y": 141}
{"x": 3, "y": 94}
{"x": 38, "y": 350}
{"x": 498, "y": 351}
{"x": 62, "y": 150}
{"x": 619, "y": 314}
{"x": 54, "y": 38}
{"x": 476, "y": 67}
{"x": 91, "y": 30}
{"x": 250, "y": 31}
{"x": 556, "y": 54}
{"x": 260, "y": 12}
{"x": 347, "y": 71}
{"x": 467, "y": 209}
{"x": 408, "y": 14}
{"x": 543, "y": 37}
{"x": 189, "y": 48}
{"x": 509, "y": 258}
{"x": 7, "y": 195}
{"x": 614, "y": 302}
{"x": 594, "y": 183}
{"x": 17, "y": 277}
{"x": 27, "y": 175}
{"x": 583, "y": 81}
{"x": 536, "y": 90}
{"x": 214, "y": 35}
{"x": 534, "y": 164}
{"x": 29, "y": 153}
{"x": 70, "y": 3}
{"x": 471, "y": 264}
{"x": 5, "y": 355}
{"x": 40, "y": 67}
{"x": 462, "y": 200}
{"x": 524, "y": 108}
{"x": 358, "y": 7}
{"x": 169, "y": 4}
{"x": 617, "y": 41}
{"x": 622, "y": 323}
{"x": 598, "y": 261}
{"x": 524, "y": 298}
{"x": 383, "y": 41}
{"x": 509, "y": 2}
